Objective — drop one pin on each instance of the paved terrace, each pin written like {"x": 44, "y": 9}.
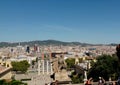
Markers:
{"x": 42, "y": 79}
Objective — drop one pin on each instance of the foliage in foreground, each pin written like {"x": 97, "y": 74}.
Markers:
{"x": 76, "y": 78}
{"x": 106, "y": 66}
{"x": 13, "y": 82}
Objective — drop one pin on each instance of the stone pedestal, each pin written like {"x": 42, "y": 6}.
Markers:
{"x": 62, "y": 76}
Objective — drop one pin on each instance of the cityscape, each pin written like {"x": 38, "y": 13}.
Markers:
{"x": 44, "y": 61}
{"x": 59, "y": 42}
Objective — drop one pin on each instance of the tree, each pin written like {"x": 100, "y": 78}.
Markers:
{"x": 118, "y": 51}
{"x": 76, "y": 78}
{"x": 13, "y": 82}
{"x": 70, "y": 62}
{"x": 106, "y": 66}
{"x": 16, "y": 82}
{"x": 20, "y": 66}
{"x": 80, "y": 60}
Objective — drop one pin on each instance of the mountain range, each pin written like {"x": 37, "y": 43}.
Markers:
{"x": 47, "y": 42}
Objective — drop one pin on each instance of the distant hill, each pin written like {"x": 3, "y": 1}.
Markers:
{"x": 46, "y": 42}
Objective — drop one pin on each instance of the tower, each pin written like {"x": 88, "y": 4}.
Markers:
{"x": 28, "y": 49}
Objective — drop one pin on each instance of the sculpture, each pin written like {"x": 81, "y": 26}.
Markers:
{"x": 61, "y": 63}
{"x": 59, "y": 69}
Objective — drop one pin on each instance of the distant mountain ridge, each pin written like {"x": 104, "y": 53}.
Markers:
{"x": 45, "y": 42}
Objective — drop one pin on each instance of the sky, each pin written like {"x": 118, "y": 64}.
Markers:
{"x": 86, "y": 21}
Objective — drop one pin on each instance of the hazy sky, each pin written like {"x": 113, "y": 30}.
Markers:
{"x": 90, "y": 21}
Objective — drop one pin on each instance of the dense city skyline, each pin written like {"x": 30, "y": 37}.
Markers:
{"x": 87, "y": 21}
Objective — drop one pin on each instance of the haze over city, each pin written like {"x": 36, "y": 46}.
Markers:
{"x": 89, "y": 21}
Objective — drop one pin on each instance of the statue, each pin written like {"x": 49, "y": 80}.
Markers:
{"x": 58, "y": 64}
{"x": 55, "y": 65}
{"x": 76, "y": 60}
{"x": 61, "y": 63}
{"x": 59, "y": 69}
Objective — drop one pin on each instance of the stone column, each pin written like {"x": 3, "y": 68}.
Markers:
{"x": 43, "y": 66}
{"x": 47, "y": 67}
{"x": 51, "y": 68}
{"x": 39, "y": 67}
